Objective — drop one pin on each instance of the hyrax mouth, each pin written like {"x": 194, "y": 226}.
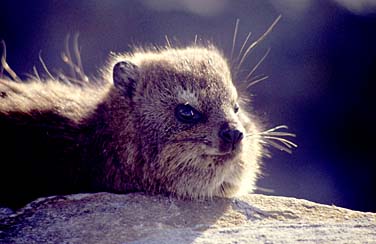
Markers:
{"x": 225, "y": 154}
{"x": 220, "y": 158}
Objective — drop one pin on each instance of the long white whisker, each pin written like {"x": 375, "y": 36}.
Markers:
{"x": 45, "y": 66}
{"x": 286, "y": 142}
{"x": 254, "y": 82}
{"x": 278, "y": 146}
{"x": 258, "y": 64}
{"x": 4, "y": 55}
{"x": 75, "y": 68}
{"x": 250, "y": 48}
{"x": 69, "y": 56}
{"x": 272, "y": 130}
{"x": 275, "y": 138}
{"x": 36, "y": 73}
{"x": 5, "y": 66}
{"x": 277, "y": 133}
{"x": 245, "y": 99}
{"x": 276, "y": 128}
{"x": 263, "y": 189}
{"x": 168, "y": 41}
{"x": 79, "y": 66}
{"x": 234, "y": 37}
{"x": 243, "y": 46}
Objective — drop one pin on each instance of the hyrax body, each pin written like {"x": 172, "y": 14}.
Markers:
{"x": 168, "y": 121}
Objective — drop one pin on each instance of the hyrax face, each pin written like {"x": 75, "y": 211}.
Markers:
{"x": 193, "y": 131}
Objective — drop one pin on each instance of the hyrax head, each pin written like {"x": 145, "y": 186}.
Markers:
{"x": 192, "y": 131}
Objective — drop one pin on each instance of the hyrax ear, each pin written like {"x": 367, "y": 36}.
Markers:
{"x": 125, "y": 75}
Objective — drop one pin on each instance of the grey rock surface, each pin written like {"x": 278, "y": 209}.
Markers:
{"x": 138, "y": 218}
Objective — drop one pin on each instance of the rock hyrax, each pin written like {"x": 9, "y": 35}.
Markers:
{"x": 164, "y": 121}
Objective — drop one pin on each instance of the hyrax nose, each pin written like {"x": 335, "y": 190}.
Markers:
{"x": 231, "y": 136}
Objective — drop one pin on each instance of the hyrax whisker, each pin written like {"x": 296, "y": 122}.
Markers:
{"x": 286, "y": 142}
{"x": 257, "y": 80}
{"x": 258, "y": 64}
{"x": 234, "y": 38}
{"x": 4, "y": 64}
{"x": 277, "y": 146}
{"x": 77, "y": 54}
{"x": 278, "y": 134}
{"x": 168, "y": 41}
{"x": 76, "y": 70}
{"x": 278, "y": 127}
{"x": 45, "y": 66}
{"x": 243, "y": 46}
{"x": 272, "y": 137}
{"x": 250, "y": 48}
{"x": 67, "y": 57}
{"x": 36, "y": 74}
{"x": 2, "y": 55}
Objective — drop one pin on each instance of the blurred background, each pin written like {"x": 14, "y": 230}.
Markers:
{"x": 321, "y": 68}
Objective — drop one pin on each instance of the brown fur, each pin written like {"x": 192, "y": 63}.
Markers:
{"x": 123, "y": 135}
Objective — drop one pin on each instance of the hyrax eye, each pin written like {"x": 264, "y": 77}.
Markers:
{"x": 185, "y": 113}
{"x": 236, "y": 108}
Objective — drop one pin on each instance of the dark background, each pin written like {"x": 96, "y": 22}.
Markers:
{"x": 322, "y": 70}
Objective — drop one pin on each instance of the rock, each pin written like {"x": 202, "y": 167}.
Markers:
{"x": 138, "y": 218}
{"x": 5, "y": 212}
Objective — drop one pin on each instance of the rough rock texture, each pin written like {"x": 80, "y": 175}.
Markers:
{"x": 137, "y": 218}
